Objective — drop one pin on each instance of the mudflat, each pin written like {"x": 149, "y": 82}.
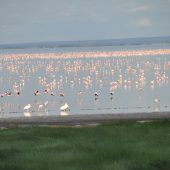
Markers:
{"x": 81, "y": 119}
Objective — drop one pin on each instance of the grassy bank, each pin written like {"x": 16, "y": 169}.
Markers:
{"x": 118, "y": 146}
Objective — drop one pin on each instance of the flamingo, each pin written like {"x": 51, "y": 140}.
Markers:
{"x": 52, "y": 94}
{"x": 40, "y": 107}
{"x": 37, "y": 93}
{"x": 8, "y": 93}
{"x": 96, "y": 94}
{"x": 61, "y": 94}
{"x": 2, "y": 95}
{"x": 18, "y": 93}
{"x": 46, "y": 103}
{"x": 45, "y": 91}
{"x": 157, "y": 104}
{"x": 157, "y": 100}
{"x": 111, "y": 93}
{"x": 27, "y": 107}
{"x": 65, "y": 107}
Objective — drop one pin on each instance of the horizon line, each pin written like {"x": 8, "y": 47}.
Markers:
{"x": 90, "y": 40}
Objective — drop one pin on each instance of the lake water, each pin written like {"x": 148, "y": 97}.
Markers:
{"x": 123, "y": 84}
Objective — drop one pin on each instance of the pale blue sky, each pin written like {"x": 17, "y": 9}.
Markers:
{"x": 62, "y": 20}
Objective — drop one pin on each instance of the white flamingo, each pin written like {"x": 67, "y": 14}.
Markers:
{"x": 27, "y": 107}
{"x": 40, "y": 107}
{"x": 65, "y": 107}
{"x": 46, "y": 103}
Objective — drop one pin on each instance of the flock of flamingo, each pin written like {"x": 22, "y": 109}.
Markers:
{"x": 82, "y": 72}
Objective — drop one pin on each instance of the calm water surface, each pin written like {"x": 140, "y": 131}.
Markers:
{"x": 123, "y": 85}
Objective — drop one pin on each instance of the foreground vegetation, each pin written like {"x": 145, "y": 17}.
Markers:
{"x": 117, "y": 146}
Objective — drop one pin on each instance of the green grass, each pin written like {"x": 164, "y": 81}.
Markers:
{"x": 117, "y": 146}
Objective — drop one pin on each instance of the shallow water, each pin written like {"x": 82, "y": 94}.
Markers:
{"x": 137, "y": 84}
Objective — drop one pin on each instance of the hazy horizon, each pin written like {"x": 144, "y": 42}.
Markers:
{"x": 164, "y": 39}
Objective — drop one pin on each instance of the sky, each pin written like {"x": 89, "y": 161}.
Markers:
{"x": 68, "y": 20}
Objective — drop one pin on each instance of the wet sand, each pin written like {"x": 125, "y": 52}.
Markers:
{"x": 72, "y": 120}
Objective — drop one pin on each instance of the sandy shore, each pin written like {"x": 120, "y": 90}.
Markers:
{"x": 80, "y": 119}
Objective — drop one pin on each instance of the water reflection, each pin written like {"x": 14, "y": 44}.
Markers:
{"x": 87, "y": 81}
{"x": 27, "y": 114}
{"x": 64, "y": 113}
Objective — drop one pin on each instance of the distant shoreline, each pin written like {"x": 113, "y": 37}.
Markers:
{"x": 80, "y": 119}
{"x": 90, "y": 43}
